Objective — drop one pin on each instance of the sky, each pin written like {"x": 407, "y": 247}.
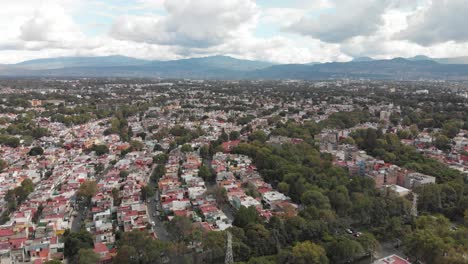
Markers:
{"x": 280, "y": 31}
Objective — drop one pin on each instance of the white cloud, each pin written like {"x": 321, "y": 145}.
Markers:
{"x": 438, "y": 22}
{"x": 189, "y": 23}
{"x": 345, "y": 20}
{"x": 295, "y": 31}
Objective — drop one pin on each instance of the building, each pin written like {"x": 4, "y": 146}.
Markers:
{"x": 416, "y": 179}
{"x": 392, "y": 259}
{"x": 36, "y": 103}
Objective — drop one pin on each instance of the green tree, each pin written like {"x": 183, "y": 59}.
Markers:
{"x": 344, "y": 249}
{"x": 160, "y": 159}
{"x": 87, "y": 256}
{"x": 442, "y": 142}
{"x": 158, "y": 172}
{"x": 315, "y": 198}
{"x": 87, "y": 189}
{"x": 308, "y": 253}
{"x": 186, "y": 148}
{"x": 147, "y": 192}
{"x": 205, "y": 173}
{"x": 180, "y": 228}
{"x": 137, "y": 247}
{"x": 136, "y": 145}
{"x": 76, "y": 241}
{"x": 234, "y": 135}
{"x": 124, "y": 174}
{"x": 100, "y": 149}
{"x": 245, "y": 216}
{"x": 259, "y": 136}
{"x": 36, "y": 151}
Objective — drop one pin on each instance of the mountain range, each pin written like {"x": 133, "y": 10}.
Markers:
{"x": 224, "y": 67}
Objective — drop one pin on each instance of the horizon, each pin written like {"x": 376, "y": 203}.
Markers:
{"x": 296, "y": 32}
{"x": 356, "y": 59}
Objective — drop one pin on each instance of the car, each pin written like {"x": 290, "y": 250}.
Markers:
{"x": 154, "y": 214}
{"x": 153, "y": 223}
{"x": 357, "y": 234}
{"x": 349, "y": 231}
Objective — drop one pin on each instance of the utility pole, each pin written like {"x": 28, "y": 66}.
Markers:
{"x": 229, "y": 257}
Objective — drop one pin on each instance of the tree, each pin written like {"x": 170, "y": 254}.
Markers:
{"x": 369, "y": 243}
{"x": 116, "y": 196}
{"x": 180, "y": 228}
{"x": 308, "y": 253}
{"x": 147, "y": 192}
{"x": 124, "y": 174}
{"x": 158, "y": 172}
{"x": 27, "y": 185}
{"x": 234, "y": 135}
{"x": 245, "y": 216}
{"x": 76, "y": 241}
{"x": 98, "y": 168}
{"x": 87, "y": 189}
{"x": 344, "y": 249}
{"x": 137, "y": 247}
{"x": 160, "y": 158}
{"x": 315, "y": 198}
{"x": 141, "y": 135}
{"x": 219, "y": 193}
{"x": 205, "y": 173}
{"x": 53, "y": 261}
{"x": 87, "y": 256}
{"x": 36, "y": 151}
{"x": 100, "y": 149}
{"x": 136, "y": 145}
{"x": 205, "y": 151}
{"x": 186, "y": 148}
{"x": 451, "y": 128}
{"x": 425, "y": 246}
{"x": 3, "y": 165}
{"x": 259, "y": 136}
{"x": 442, "y": 142}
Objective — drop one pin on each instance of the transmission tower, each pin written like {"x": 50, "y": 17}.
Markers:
{"x": 229, "y": 256}
{"x": 414, "y": 208}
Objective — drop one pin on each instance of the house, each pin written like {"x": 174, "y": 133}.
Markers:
{"x": 103, "y": 252}
{"x": 270, "y": 198}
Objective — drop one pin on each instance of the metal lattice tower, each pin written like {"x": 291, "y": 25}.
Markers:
{"x": 229, "y": 256}
{"x": 414, "y": 208}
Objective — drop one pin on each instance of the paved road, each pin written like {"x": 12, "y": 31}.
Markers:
{"x": 82, "y": 213}
{"x": 152, "y": 206}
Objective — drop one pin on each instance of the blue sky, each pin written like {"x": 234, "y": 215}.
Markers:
{"x": 293, "y": 31}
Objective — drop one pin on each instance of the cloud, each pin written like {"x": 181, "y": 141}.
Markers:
{"x": 345, "y": 20}
{"x": 438, "y": 22}
{"x": 189, "y": 23}
{"x": 37, "y": 27}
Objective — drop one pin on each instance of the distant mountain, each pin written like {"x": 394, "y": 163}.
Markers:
{"x": 394, "y": 69}
{"x": 223, "y": 67}
{"x": 68, "y": 62}
{"x": 361, "y": 59}
{"x": 456, "y": 60}
{"x": 420, "y": 58}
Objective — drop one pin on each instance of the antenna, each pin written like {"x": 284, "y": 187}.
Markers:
{"x": 229, "y": 257}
